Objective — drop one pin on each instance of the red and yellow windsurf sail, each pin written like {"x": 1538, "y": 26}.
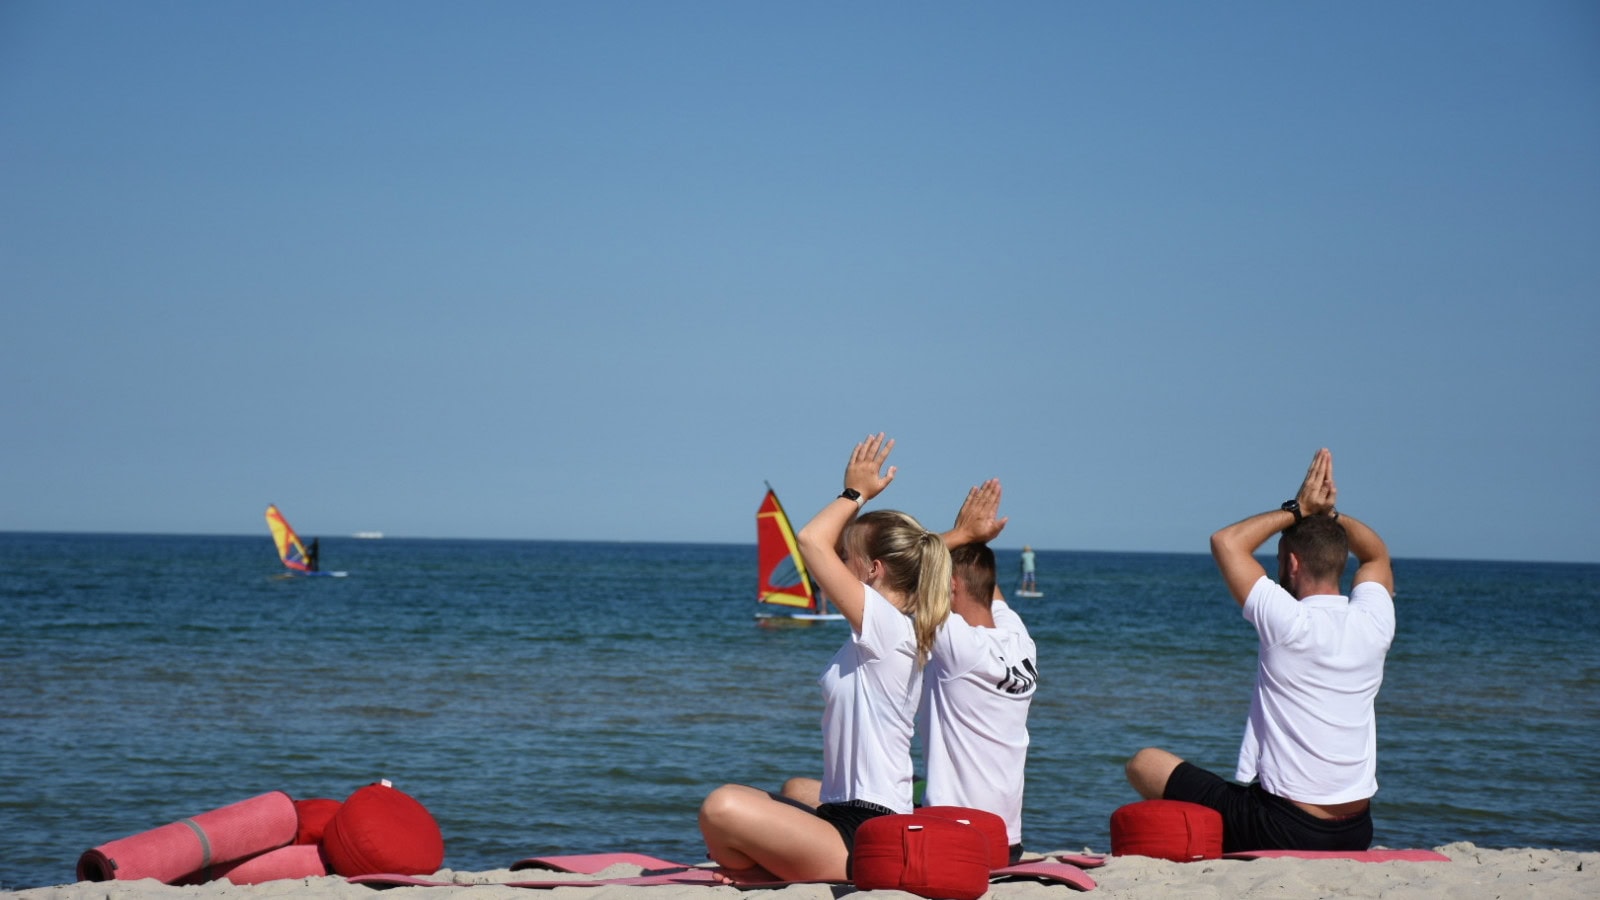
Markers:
{"x": 781, "y": 573}
{"x": 290, "y": 550}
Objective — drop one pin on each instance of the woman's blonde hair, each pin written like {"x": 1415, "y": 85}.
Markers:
{"x": 915, "y": 563}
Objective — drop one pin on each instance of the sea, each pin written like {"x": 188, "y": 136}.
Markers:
{"x": 545, "y": 697}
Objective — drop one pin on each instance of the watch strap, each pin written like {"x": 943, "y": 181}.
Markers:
{"x": 1293, "y": 506}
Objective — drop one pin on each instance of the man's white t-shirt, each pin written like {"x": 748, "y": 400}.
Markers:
{"x": 870, "y": 692}
{"x": 977, "y": 688}
{"x": 1312, "y": 735}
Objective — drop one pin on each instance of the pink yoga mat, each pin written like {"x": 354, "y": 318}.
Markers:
{"x": 1081, "y": 860}
{"x": 1356, "y": 855}
{"x": 594, "y": 863}
{"x": 701, "y": 877}
{"x": 191, "y": 847}
{"x": 1045, "y": 870}
{"x": 1042, "y": 870}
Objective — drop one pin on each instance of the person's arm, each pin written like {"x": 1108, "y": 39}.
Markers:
{"x": 819, "y": 539}
{"x": 1234, "y": 547}
{"x": 979, "y": 520}
{"x": 1372, "y": 555}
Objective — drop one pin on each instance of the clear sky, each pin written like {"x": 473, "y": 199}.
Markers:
{"x": 596, "y": 270}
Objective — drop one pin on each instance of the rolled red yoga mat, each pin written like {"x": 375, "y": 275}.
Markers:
{"x": 192, "y": 846}
{"x": 293, "y": 861}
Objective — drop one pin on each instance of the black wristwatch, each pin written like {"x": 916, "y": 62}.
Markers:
{"x": 852, "y": 495}
{"x": 1294, "y": 507}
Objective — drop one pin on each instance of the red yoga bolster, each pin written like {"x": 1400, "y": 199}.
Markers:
{"x": 382, "y": 830}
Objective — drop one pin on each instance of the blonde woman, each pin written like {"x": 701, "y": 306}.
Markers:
{"x": 891, "y": 579}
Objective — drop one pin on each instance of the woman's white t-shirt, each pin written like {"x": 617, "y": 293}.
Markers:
{"x": 870, "y": 692}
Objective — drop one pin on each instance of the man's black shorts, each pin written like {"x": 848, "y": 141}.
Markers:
{"x": 1253, "y": 819}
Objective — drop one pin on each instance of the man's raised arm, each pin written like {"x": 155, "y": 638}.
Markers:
{"x": 979, "y": 520}
{"x": 1234, "y": 547}
{"x": 1372, "y": 554}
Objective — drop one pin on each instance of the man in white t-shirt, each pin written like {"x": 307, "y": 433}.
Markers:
{"x": 1308, "y": 763}
{"x": 976, "y": 690}
{"x": 987, "y": 667}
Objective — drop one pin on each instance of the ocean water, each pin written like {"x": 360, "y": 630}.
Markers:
{"x": 549, "y": 697}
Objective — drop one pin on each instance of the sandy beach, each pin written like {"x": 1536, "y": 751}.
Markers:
{"x": 1473, "y": 873}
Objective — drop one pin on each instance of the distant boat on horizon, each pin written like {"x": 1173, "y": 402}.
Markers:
{"x": 368, "y": 535}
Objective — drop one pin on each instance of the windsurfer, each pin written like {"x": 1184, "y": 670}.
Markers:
{"x": 312, "y": 552}
{"x": 890, "y": 577}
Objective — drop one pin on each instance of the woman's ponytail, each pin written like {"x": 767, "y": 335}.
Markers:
{"x": 916, "y": 565}
{"x": 933, "y": 592}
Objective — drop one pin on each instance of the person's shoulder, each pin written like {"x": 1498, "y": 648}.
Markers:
{"x": 957, "y": 629}
{"x": 1269, "y": 600}
{"x": 1007, "y": 619}
{"x": 958, "y": 643}
{"x": 1265, "y": 590}
{"x": 1372, "y": 596}
{"x": 879, "y": 615}
{"x": 1370, "y": 590}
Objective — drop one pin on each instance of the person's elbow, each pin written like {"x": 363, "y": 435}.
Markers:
{"x": 1223, "y": 545}
{"x": 810, "y": 542}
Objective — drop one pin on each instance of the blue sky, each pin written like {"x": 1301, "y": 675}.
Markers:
{"x": 597, "y": 270}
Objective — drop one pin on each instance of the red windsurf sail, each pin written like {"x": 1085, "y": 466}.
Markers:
{"x": 781, "y": 573}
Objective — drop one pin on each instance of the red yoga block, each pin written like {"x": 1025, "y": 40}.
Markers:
{"x": 992, "y": 826}
{"x": 932, "y": 857}
{"x": 1167, "y": 829}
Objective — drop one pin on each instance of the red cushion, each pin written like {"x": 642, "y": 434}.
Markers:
{"x": 1167, "y": 829}
{"x": 314, "y": 816}
{"x": 992, "y": 826}
{"x": 380, "y": 830}
{"x": 941, "y": 859}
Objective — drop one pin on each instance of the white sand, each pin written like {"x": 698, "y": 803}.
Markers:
{"x": 1472, "y": 874}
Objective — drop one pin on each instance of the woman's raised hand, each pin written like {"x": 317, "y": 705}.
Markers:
{"x": 865, "y": 471}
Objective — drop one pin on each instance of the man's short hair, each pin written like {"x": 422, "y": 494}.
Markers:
{"x": 974, "y": 568}
{"x": 1320, "y": 543}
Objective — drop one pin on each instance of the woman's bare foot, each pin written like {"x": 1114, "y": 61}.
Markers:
{"x": 752, "y": 875}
